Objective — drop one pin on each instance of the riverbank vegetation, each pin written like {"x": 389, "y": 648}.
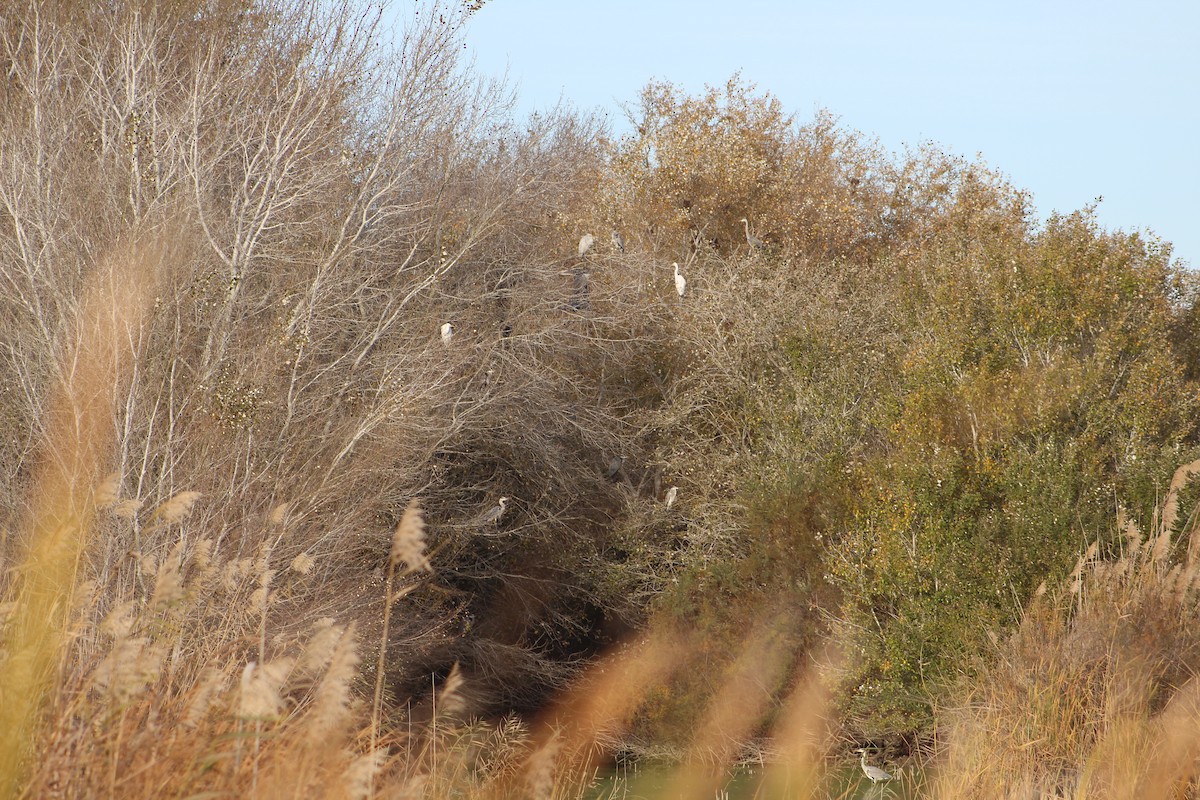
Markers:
{"x": 288, "y": 307}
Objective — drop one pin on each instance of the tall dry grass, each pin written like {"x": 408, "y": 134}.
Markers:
{"x": 96, "y": 363}
{"x": 1095, "y": 693}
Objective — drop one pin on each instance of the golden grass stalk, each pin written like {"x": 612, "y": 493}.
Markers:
{"x": 599, "y": 707}
{"x": 734, "y": 714}
{"x": 302, "y": 564}
{"x": 133, "y": 663}
{"x": 168, "y": 583}
{"x": 278, "y": 514}
{"x": 127, "y": 509}
{"x": 1170, "y": 511}
{"x": 801, "y": 734}
{"x": 408, "y": 547}
{"x": 540, "y": 768}
{"x": 96, "y": 362}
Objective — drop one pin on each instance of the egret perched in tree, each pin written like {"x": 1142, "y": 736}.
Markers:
{"x": 874, "y": 773}
{"x": 752, "y": 240}
{"x": 447, "y": 333}
{"x": 493, "y": 515}
{"x": 585, "y": 243}
{"x": 618, "y": 241}
{"x": 680, "y": 281}
{"x": 672, "y": 494}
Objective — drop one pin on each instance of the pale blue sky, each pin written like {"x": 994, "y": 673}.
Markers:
{"x": 1072, "y": 100}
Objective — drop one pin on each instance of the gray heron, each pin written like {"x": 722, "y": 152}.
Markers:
{"x": 752, "y": 240}
{"x": 614, "y": 466}
{"x": 447, "y": 333}
{"x": 875, "y": 774}
{"x": 492, "y": 515}
{"x": 618, "y": 241}
{"x": 580, "y": 281}
{"x": 680, "y": 281}
{"x": 585, "y": 243}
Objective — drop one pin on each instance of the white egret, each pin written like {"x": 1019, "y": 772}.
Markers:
{"x": 585, "y": 243}
{"x": 875, "y": 774}
{"x": 672, "y": 494}
{"x": 447, "y": 333}
{"x": 752, "y": 240}
{"x": 680, "y": 281}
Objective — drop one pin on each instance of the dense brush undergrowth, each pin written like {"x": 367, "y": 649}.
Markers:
{"x": 877, "y": 474}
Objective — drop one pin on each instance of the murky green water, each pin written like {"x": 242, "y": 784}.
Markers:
{"x": 659, "y": 782}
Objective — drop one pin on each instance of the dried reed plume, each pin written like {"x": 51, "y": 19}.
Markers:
{"x": 108, "y": 492}
{"x": 332, "y": 705}
{"x": 540, "y": 769}
{"x": 408, "y": 541}
{"x": 450, "y": 700}
{"x": 302, "y": 563}
{"x": 176, "y": 508}
{"x": 259, "y": 698}
{"x": 211, "y": 683}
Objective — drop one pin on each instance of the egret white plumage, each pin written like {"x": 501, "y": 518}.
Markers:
{"x": 752, "y": 240}
{"x": 585, "y": 243}
{"x": 875, "y": 774}
{"x": 672, "y": 495}
{"x": 680, "y": 281}
{"x": 447, "y": 333}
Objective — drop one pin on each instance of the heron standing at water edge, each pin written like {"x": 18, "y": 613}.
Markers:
{"x": 875, "y": 774}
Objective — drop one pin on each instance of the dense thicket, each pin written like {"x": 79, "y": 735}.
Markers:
{"x": 913, "y": 404}
{"x": 327, "y": 205}
{"x": 892, "y": 402}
